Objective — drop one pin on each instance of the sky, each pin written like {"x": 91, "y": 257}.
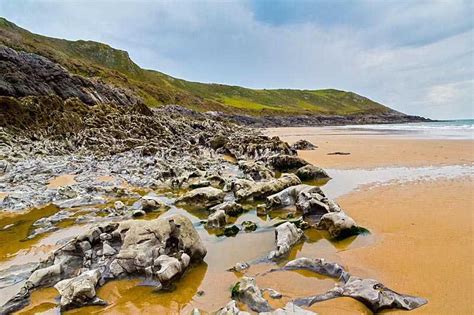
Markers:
{"x": 415, "y": 56}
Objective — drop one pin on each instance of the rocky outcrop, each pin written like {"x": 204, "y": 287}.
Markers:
{"x": 26, "y": 74}
{"x": 338, "y": 224}
{"x": 161, "y": 249}
{"x": 231, "y": 208}
{"x": 286, "y": 235}
{"x": 256, "y": 170}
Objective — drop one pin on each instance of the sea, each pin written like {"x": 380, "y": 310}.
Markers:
{"x": 447, "y": 129}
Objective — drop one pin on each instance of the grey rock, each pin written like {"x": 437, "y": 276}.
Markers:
{"x": 303, "y": 145}
{"x": 217, "y": 219}
{"x": 286, "y": 235}
{"x": 283, "y": 162}
{"x": 247, "y": 291}
{"x": 260, "y": 190}
{"x": 231, "y": 208}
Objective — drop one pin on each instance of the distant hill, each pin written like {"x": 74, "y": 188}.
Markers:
{"x": 99, "y": 61}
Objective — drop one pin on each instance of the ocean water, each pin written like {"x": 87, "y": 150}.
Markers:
{"x": 451, "y": 129}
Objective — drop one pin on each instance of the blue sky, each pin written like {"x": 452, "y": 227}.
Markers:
{"x": 415, "y": 56}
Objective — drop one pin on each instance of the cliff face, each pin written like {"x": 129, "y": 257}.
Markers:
{"x": 27, "y": 74}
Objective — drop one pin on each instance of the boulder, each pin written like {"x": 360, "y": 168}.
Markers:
{"x": 311, "y": 172}
{"x": 338, "y": 224}
{"x": 232, "y": 230}
{"x": 202, "y": 197}
{"x": 247, "y": 291}
{"x": 217, "y": 220}
{"x": 286, "y": 235}
{"x": 240, "y": 267}
{"x": 44, "y": 276}
{"x": 260, "y": 190}
{"x": 286, "y": 162}
{"x": 79, "y": 291}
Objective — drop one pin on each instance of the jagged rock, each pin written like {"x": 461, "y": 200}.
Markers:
{"x": 81, "y": 201}
{"x": 283, "y": 162}
{"x": 79, "y": 291}
{"x": 286, "y": 235}
{"x": 289, "y": 309}
{"x": 205, "y": 196}
{"x": 248, "y": 292}
{"x": 291, "y": 196}
{"x": 311, "y": 172}
{"x": 162, "y": 248}
{"x": 249, "y": 226}
{"x": 318, "y": 265}
{"x": 231, "y": 208}
{"x": 372, "y": 293}
{"x": 217, "y": 219}
{"x": 256, "y": 170}
{"x": 338, "y": 224}
{"x": 303, "y": 145}
{"x": 260, "y": 190}
{"x": 44, "y": 276}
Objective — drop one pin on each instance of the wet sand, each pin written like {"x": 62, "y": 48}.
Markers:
{"x": 375, "y": 150}
{"x": 425, "y": 241}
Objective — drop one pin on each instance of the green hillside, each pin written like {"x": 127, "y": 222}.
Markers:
{"x": 92, "y": 59}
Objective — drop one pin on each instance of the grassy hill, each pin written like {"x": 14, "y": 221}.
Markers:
{"x": 92, "y": 59}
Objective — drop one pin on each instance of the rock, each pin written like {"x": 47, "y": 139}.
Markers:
{"x": 45, "y": 276}
{"x": 372, "y": 293}
{"x": 119, "y": 205}
{"x": 248, "y": 292}
{"x": 200, "y": 184}
{"x": 274, "y": 294}
{"x": 205, "y": 197}
{"x": 286, "y": 235}
{"x": 217, "y": 220}
{"x": 149, "y": 203}
{"x": 232, "y": 230}
{"x": 311, "y": 172}
{"x": 169, "y": 267}
{"x": 289, "y": 309}
{"x": 138, "y": 213}
{"x": 79, "y": 291}
{"x": 318, "y": 265}
{"x": 249, "y": 226}
{"x": 231, "y": 208}
{"x": 260, "y": 190}
{"x": 286, "y": 162}
{"x": 339, "y": 153}
{"x": 81, "y": 201}
{"x": 240, "y": 267}
{"x": 303, "y": 145}
{"x": 339, "y": 225}
{"x": 108, "y": 250}
{"x": 256, "y": 170}
{"x": 291, "y": 195}
{"x": 231, "y": 309}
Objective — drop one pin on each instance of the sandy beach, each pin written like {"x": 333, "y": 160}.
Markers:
{"x": 423, "y": 229}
